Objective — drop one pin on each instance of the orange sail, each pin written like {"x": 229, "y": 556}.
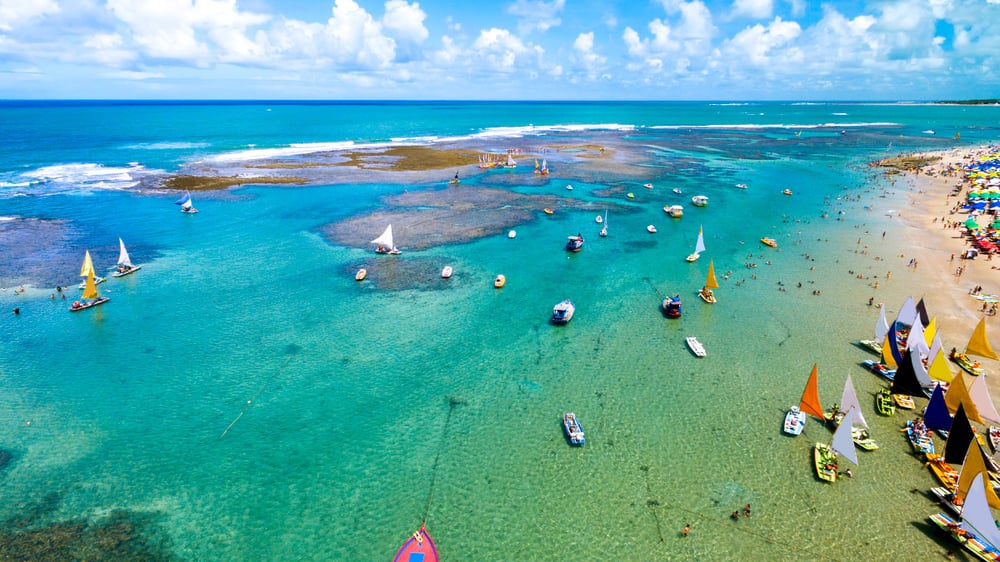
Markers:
{"x": 810, "y": 397}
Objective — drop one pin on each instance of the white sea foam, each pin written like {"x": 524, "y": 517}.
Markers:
{"x": 750, "y": 126}
{"x": 78, "y": 178}
{"x": 302, "y": 149}
{"x": 179, "y": 145}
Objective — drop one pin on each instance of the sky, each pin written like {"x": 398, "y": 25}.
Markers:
{"x": 909, "y": 50}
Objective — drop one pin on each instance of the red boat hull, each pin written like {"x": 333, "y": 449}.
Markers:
{"x": 419, "y": 547}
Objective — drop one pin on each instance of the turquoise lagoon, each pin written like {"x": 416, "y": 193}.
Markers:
{"x": 243, "y": 397}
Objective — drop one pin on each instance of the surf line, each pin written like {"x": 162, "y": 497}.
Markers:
{"x": 259, "y": 391}
{"x": 452, "y": 402}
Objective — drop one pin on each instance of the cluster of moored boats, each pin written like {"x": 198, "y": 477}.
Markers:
{"x": 912, "y": 360}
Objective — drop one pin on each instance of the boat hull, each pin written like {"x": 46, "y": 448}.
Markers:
{"x": 84, "y": 305}
{"x": 573, "y": 429}
{"x": 500, "y": 281}
{"x": 563, "y": 312}
{"x": 695, "y": 346}
{"x": 672, "y": 307}
{"x": 419, "y": 547}
{"x": 133, "y": 269}
{"x": 361, "y": 274}
{"x": 825, "y": 462}
{"x": 795, "y": 421}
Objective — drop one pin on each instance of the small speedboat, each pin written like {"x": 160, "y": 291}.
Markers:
{"x": 630, "y": 195}
{"x": 677, "y": 190}
{"x": 651, "y": 229}
{"x": 446, "y": 272}
{"x": 574, "y": 432}
{"x": 599, "y": 219}
{"x": 500, "y": 281}
{"x": 569, "y": 188}
{"x": 699, "y": 200}
{"x": 795, "y": 421}
{"x": 672, "y": 306}
{"x": 647, "y": 185}
{"x": 787, "y": 192}
{"x": 741, "y": 186}
{"x": 548, "y": 211}
{"x": 512, "y": 234}
{"x": 696, "y": 347}
{"x": 769, "y": 242}
{"x": 675, "y": 211}
{"x": 562, "y": 313}
{"x": 361, "y": 274}
{"x": 575, "y": 243}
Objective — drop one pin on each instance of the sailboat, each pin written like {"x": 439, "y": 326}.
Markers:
{"x": 978, "y": 345}
{"x": 185, "y": 203}
{"x": 604, "y": 229}
{"x": 510, "y": 161}
{"x": 706, "y": 293}
{"x": 699, "y": 247}
{"x": 795, "y": 419}
{"x": 125, "y": 265}
{"x": 384, "y": 244}
{"x": 954, "y": 493}
{"x": 419, "y": 547}
{"x": 977, "y": 531}
{"x": 881, "y": 329}
{"x": 88, "y": 267}
{"x": 825, "y": 456}
{"x": 544, "y": 170}
{"x": 90, "y": 297}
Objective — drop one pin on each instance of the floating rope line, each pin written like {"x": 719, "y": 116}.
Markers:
{"x": 259, "y": 391}
{"x": 452, "y": 402}
{"x": 658, "y": 293}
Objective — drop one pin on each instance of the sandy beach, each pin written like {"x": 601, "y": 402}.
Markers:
{"x": 937, "y": 248}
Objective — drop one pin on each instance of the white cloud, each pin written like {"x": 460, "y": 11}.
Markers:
{"x": 107, "y": 49}
{"x": 589, "y": 60}
{"x": 405, "y": 23}
{"x": 501, "y": 49}
{"x": 765, "y": 46}
{"x": 757, "y": 9}
{"x": 16, "y": 12}
{"x": 536, "y": 14}
{"x": 134, "y": 75}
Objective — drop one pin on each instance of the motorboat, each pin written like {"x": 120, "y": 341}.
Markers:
{"x": 696, "y": 347}
{"x": 651, "y": 229}
{"x": 562, "y": 313}
{"x": 500, "y": 281}
{"x": 575, "y": 243}
{"x": 699, "y": 200}
{"x": 573, "y": 429}
{"x": 672, "y": 306}
{"x": 674, "y": 211}
{"x": 446, "y": 272}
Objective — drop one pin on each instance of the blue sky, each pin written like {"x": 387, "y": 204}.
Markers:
{"x": 516, "y": 49}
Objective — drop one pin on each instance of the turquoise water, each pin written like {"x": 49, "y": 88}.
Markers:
{"x": 242, "y": 396}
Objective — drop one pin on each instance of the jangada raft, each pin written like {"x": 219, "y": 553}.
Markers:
{"x": 574, "y": 432}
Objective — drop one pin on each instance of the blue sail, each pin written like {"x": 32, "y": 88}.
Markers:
{"x": 894, "y": 345}
{"x": 936, "y": 415}
{"x": 186, "y": 198}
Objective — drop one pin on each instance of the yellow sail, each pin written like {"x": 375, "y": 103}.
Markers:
{"x": 973, "y": 465}
{"x": 710, "y": 282}
{"x": 938, "y": 369}
{"x": 88, "y": 266}
{"x": 978, "y": 344}
{"x": 887, "y": 358}
{"x": 958, "y": 393}
{"x": 90, "y": 288}
{"x": 810, "y": 396}
{"x": 929, "y": 332}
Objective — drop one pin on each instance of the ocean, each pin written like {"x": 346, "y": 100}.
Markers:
{"x": 243, "y": 397}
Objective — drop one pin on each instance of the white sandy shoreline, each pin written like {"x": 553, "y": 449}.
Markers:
{"x": 932, "y": 244}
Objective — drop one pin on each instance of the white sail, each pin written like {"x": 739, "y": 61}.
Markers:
{"x": 699, "y": 246}
{"x": 881, "y": 326}
{"x": 849, "y": 400}
{"x": 843, "y": 441}
{"x": 123, "y": 258}
{"x": 976, "y": 515}
{"x": 936, "y": 346}
{"x": 908, "y": 312}
{"x": 981, "y": 398}
{"x": 918, "y": 367}
{"x": 386, "y": 238}
{"x": 917, "y": 340}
